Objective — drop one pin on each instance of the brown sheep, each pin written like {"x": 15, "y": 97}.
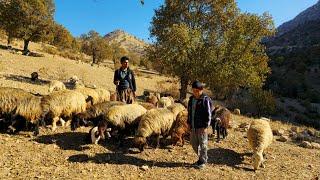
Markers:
{"x": 220, "y": 121}
{"x": 180, "y": 128}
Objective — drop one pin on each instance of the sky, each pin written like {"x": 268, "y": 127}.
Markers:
{"x": 104, "y": 16}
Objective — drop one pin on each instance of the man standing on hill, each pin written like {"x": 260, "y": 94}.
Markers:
{"x": 125, "y": 82}
{"x": 199, "y": 118}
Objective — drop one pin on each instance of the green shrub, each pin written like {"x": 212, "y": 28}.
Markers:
{"x": 263, "y": 101}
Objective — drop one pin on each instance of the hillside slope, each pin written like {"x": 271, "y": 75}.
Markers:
{"x": 64, "y": 154}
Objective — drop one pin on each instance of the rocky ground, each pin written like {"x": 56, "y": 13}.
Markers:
{"x": 64, "y": 154}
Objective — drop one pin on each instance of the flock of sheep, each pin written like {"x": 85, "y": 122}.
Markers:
{"x": 146, "y": 120}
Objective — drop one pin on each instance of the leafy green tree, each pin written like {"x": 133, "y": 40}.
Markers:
{"x": 61, "y": 37}
{"x": 96, "y": 46}
{"x": 29, "y": 20}
{"x": 211, "y": 41}
{"x": 117, "y": 53}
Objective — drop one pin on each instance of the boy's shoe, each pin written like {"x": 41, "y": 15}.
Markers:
{"x": 201, "y": 166}
{"x": 196, "y": 163}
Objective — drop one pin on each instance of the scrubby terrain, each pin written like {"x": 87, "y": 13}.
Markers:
{"x": 63, "y": 154}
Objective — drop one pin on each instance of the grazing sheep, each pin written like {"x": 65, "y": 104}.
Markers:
{"x": 92, "y": 114}
{"x": 31, "y": 110}
{"x": 63, "y": 104}
{"x": 88, "y": 92}
{"x": 94, "y": 133}
{"x": 220, "y": 121}
{"x": 260, "y": 137}
{"x": 180, "y": 128}
{"x": 10, "y": 98}
{"x": 165, "y": 102}
{"x": 103, "y": 94}
{"x": 124, "y": 117}
{"x": 56, "y": 86}
{"x": 156, "y": 122}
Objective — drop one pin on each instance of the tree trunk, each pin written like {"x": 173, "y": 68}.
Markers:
{"x": 184, "y": 87}
{"x": 25, "y": 47}
{"x": 94, "y": 57}
{"x": 9, "y": 41}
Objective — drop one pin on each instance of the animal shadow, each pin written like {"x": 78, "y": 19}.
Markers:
{"x": 25, "y": 79}
{"x": 66, "y": 141}
{"x": 121, "y": 159}
{"x": 227, "y": 157}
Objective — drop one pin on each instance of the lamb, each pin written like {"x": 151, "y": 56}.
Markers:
{"x": 63, "y": 103}
{"x": 56, "y": 86}
{"x": 260, "y": 137}
{"x": 180, "y": 128}
{"x": 94, "y": 133}
{"x": 92, "y": 114}
{"x": 165, "y": 102}
{"x": 124, "y": 117}
{"x": 156, "y": 122}
{"x": 220, "y": 121}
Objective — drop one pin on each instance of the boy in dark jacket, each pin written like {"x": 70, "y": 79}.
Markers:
{"x": 199, "y": 118}
{"x": 125, "y": 82}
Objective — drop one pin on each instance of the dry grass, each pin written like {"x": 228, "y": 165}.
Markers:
{"x": 64, "y": 155}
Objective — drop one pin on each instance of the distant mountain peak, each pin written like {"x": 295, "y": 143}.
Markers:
{"x": 127, "y": 41}
{"x": 310, "y": 14}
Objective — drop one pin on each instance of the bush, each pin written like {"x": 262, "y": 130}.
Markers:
{"x": 263, "y": 101}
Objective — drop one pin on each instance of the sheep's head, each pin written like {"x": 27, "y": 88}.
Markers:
{"x": 102, "y": 128}
{"x": 175, "y": 138}
{"x": 257, "y": 160}
{"x": 140, "y": 142}
{"x": 77, "y": 121}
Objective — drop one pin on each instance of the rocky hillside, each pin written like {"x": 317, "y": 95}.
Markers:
{"x": 127, "y": 41}
{"x": 310, "y": 14}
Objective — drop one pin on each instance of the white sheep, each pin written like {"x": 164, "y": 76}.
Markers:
{"x": 165, "y": 102}
{"x": 89, "y": 92}
{"x": 260, "y": 137}
{"x": 63, "y": 104}
{"x": 93, "y": 113}
{"x": 56, "y": 86}
{"x": 156, "y": 122}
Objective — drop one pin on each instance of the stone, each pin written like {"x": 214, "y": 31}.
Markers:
{"x": 283, "y": 138}
{"x": 306, "y": 144}
{"x": 294, "y": 129}
{"x": 278, "y": 132}
{"x": 237, "y": 111}
{"x": 145, "y": 167}
{"x": 315, "y": 145}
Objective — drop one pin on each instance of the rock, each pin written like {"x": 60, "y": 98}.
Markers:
{"x": 237, "y": 111}
{"x": 294, "y": 129}
{"x": 315, "y": 145}
{"x": 303, "y": 137}
{"x": 283, "y": 138}
{"x": 317, "y": 134}
{"x": 309, "y": 132}
{"x": 306, "y": 144}
{"x": 145, "y": 167}
{"x": 278, "y": 132}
